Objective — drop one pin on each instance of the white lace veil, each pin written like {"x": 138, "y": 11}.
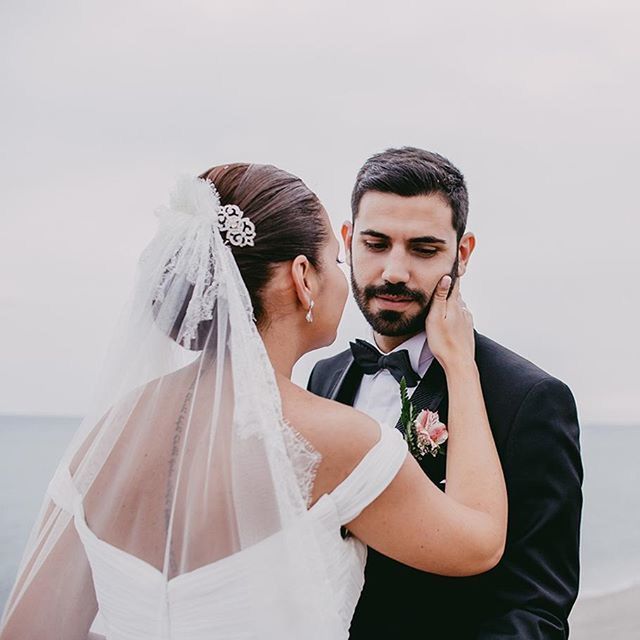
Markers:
{"x": 185, "y": 458}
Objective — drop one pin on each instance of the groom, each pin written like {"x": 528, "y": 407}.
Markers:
{"x": 409, "y": 210}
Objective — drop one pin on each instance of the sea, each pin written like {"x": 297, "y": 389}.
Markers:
{"x": 30, "y": 447}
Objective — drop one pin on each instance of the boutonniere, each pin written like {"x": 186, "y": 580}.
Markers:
{"x": 423, "y": 431}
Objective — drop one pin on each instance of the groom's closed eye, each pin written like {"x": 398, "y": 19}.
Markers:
{"x": 375, "y": 245}
{"x": 425, "y": 251}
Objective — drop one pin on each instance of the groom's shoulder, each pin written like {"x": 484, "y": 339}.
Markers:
{"x": 517, "y": 391}
{"x": 508, "y": 369}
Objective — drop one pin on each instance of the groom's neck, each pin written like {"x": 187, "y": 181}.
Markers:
{"x": 389, "y": 343}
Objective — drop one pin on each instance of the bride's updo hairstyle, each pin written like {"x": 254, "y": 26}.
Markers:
{"x": 287, "y": 216}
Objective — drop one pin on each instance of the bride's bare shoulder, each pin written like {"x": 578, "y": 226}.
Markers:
{"x": 332, "y": 428}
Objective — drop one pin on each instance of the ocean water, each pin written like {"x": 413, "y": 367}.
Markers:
{"x": 31, "y": 446}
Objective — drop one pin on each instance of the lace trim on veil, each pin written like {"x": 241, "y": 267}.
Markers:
{"x": 212, "y": 271}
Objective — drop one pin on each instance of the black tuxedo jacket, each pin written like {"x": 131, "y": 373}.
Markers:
{"x": 530, "y": 593}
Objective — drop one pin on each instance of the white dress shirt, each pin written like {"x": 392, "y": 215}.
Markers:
{"x": 379, "y": 393}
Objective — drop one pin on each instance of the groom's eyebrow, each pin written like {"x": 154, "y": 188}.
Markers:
{"x": 375, "y": 234}
{"x": 428, "y": 240}
{"x": 419, "y": 240}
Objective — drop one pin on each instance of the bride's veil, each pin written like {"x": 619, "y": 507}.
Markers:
{"x": 185, "y": 458}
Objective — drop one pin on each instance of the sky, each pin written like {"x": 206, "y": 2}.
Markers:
{"x": 105, "y": 104}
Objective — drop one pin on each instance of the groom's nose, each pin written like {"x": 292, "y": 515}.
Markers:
{"x": 396, "y": 267}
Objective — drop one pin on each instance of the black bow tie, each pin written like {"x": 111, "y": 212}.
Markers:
{"x": 397, "y": 363}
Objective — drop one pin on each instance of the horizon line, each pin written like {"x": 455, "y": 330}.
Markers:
{"x": 69, "y": 416}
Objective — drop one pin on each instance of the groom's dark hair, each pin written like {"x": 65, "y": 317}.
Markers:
{"x": 409, "y": 171}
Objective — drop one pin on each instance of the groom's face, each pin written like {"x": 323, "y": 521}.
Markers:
{"x": 399, "y": 248}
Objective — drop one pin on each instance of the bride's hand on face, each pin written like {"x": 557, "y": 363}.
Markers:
{"x": 449, "y": 326}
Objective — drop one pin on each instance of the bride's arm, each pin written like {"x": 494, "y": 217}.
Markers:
{"x": 60, "y": 601}
{"x": 474, "y": 475}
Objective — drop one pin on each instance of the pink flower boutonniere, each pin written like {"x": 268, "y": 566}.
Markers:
{"x": 424, "y": 432}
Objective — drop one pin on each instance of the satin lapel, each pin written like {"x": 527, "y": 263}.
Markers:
{"x": 345, "y": 387}
{"x": 431, "y": 394}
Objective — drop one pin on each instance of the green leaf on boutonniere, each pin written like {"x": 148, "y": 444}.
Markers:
{"x": 407, "y": 415}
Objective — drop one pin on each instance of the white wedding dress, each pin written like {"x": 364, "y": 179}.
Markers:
{"x": 233, "y": 598}
{"x": 180, "y": 510}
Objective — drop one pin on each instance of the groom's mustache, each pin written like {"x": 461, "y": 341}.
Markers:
{"x": 399, "y": 289}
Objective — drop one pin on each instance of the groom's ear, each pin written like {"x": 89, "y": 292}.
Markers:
{"x": 347, "y": 235}
{"x": 465, "y": 248}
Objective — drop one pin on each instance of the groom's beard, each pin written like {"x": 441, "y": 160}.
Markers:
{"x": 396, "y": 323}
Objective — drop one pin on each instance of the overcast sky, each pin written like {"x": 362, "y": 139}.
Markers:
{"x": 104, "y": 104}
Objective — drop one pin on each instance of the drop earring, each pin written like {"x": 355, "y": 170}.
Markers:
{"x": 309, "y": 316}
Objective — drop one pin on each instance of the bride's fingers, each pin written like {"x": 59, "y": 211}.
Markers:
{"x": 439, "y": 299}
{"x": 441, "y": 293}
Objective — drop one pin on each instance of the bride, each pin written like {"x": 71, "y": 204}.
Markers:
{"x": 207, "y": 496}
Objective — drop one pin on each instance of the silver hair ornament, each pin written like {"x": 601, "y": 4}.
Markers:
{"x": 239, "y": 231}
{"x": 198, "y": 198}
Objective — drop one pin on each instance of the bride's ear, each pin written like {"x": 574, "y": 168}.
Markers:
{"x": 303, "y": 276}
